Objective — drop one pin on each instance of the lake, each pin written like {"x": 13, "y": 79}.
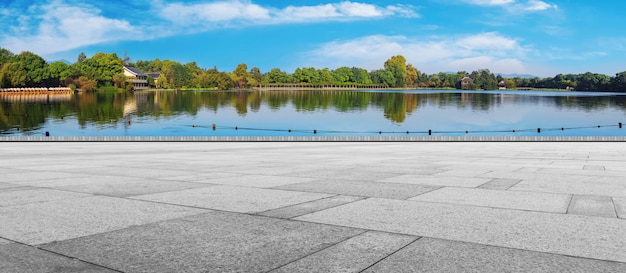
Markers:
{"x": 311, "y": 113}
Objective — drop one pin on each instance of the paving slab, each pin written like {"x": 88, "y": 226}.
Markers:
{"x": 309, "y": 207}
{"x": 132, "y": 187}
{"x": 500, "y": 184}
{"x": 21, "y": 177}
{"x": 35, "y": 195}
{"x": 235, "y": 199}
{"x": 361, "y": 188}
{"x": 4, "y": 186}
{"x": 435, "y": 255}
{"x": 210, "y": 242}
{"x": 344, "y": 174}
{"x": 534, "y": 201}
{"x": 22, "y": 258}
{"x": 352, "y": 255}
{"x": 259, "y": 181}
{"x": 620, "y": 207}
{"x": 451, "y": 181}
{"x": 571, "y": 184}
{"x": 130, "y": 172}
{"x": 200, "y": 177}
{"x": 38, "y": 223}
{"x": 590, "y": 205}
{"x": 597, "y": 238}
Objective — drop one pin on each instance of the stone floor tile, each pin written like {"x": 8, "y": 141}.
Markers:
{"x": 309, "y": 207}
{"x": 211, "y": 242}
{"x": 572, "y": 184}
{"x": 16, "y": 257}
{"x": 620, "y": 207}
{"x": 344, "y": 174}
{"x": 352, "y": 255}
{"x": 451, "y": 181}
{"x": 594, "y": 168}
{"x": 534, "y": 201}
{"x": 127, "y": 171}
{"x": 590, "y": 205}
{"x": 35, "y": 195}
{"x": 38, "y": 223}
{"x": 460, "y": 172}
{"x": 598, "y": 238}
{"x": 21, "y": 177}
{"x": 259, "y": 181}
{"x": 132, "y": 187}
{"x": 435, "y": 255}
{"x": 361, "y": 188}
{"x": 200, "y": 177}
{"x": 235, "y": 199}
{"x": 500, "y": 184}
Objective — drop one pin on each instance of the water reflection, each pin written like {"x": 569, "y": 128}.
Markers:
{"x": 27, "y": 112}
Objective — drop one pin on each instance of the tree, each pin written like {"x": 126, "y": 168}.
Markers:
{"x": 326, "y": 76}
{"x": 306, "y": 75}
{"x": 240, "y": 76}
{"x": 81, "y": 57}
{"x": 619, "y": 82}
{"x": 343, "y": 74}
{"x": 57, "y": 73}
{"x": 412, "y": 75}
{"x": 397, "y": 66}
{"x": 383, "y": 76}
{"x": 276, "y": 76}
{"x": 361, "y": 76}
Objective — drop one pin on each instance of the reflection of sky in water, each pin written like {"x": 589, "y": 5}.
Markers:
{"x": 503, "y": 112}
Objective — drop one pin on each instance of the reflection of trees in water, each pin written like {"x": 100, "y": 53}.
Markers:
{"x": 101, "y": 108}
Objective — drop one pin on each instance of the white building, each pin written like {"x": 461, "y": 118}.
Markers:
{"x": 138, "y": 79}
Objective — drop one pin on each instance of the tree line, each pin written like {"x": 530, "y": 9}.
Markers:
{"x": 106, "y": 71}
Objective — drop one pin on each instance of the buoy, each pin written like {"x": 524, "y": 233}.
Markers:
{"x": 129, "y": 122}
{"x": 620, "y": 125}
{"x": 314, "y": 131}
{"x": 194, "y": 126}
{"x": 538, "y": 130}
{"x": 213, "y": 126}
{"x": 47, "y": 134}
{"x": 430, "y": 132}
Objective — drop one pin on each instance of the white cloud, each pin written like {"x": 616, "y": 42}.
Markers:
{"x": 431, "y": 55}
{"x": 515, "y": 6}
{"x": 490, "y": 2}
{"x": 536, "y": 5}
{"x": 58, "y": 26}
{"x": 61, "y": 27}
{"x": 244, "y": 12}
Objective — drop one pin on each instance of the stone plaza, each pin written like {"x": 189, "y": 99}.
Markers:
{"x": 312, "y": 206}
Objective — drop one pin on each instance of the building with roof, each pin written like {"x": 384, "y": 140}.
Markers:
{"x": 138, "y": 79}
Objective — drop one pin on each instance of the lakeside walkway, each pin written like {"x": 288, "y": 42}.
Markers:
{"x": 313, "y": 207}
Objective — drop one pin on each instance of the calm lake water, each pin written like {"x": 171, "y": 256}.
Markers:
{"x": 328, "y": 113}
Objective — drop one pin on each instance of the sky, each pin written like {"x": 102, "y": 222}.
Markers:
{"x": 535, "y": 37}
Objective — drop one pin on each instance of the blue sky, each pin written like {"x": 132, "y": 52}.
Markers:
{"x": 537, "y": 37}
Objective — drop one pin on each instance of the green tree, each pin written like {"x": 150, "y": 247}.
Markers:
{"x": 326, "y": 76}
{"x": 276, "y": 76}
{"x": 57, "y": 73}
{"x": 343, "y": 74}
{"x": 306, "y": 75}
{"x": 397, "y": 66}
{"x": 361, "y": 76}
{"x": 383, "y": 76}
